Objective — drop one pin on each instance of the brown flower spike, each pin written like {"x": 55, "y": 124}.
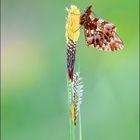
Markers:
{"x": 72, "y": 35}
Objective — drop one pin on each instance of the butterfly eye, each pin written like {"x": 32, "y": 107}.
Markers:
{"x": 82, "y": 19}
{"x": 82, "y": 22}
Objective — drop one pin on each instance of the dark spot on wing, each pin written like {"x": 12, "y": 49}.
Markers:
{"x": 96, "y": 19}
{"x": 107, "y": 33}
{"x": 97, "y": 40}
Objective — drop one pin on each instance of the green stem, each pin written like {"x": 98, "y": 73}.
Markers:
{"x": 80, "y": 126}
{"x": 72, "y": 128}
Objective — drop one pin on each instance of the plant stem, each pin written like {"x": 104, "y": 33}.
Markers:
{"x": 80, "y": 126}
{"x": 72, "y": 129}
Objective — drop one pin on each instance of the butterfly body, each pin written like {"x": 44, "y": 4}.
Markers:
{"x": 99, "y": 33}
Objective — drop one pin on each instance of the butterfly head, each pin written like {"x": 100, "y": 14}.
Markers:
{"x": 88, "y": 10}
{"x": 85, "y": 15}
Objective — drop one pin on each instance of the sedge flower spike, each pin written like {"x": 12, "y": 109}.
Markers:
{"x": 72, "y": 35}
{"x": 77, "y": 95}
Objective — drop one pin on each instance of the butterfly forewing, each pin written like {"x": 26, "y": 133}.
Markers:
{"x": 99, "y": 33}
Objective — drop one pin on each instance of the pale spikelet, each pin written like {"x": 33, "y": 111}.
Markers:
{"x": 77, "y": 94}
{"x": 70, "y": 92}
{"x": 72, "y": 24}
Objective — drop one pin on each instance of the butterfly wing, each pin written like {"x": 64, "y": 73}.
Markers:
{"x": 101, "y": 34}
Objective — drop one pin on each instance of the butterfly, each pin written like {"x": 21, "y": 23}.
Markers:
{"x": 99, "y": 33}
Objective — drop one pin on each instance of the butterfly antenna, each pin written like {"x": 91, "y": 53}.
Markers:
{"x": 93, "y": 13}
{"x": 78, "y": 28}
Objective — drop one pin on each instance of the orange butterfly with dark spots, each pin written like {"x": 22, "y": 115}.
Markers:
{"x": 100, "y": 33}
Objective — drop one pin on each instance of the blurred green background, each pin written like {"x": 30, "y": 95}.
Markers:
{"x": 34, "y": 74}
